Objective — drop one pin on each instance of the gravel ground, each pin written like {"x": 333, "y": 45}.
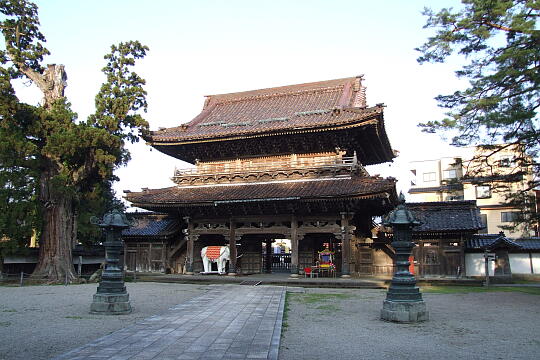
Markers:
{"x": 344, "y": 324}
{"x": 39, "y": 322}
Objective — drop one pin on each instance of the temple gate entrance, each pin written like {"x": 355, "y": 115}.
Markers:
{"x": 276, "y": 256}
{"x": 285, "y": 161}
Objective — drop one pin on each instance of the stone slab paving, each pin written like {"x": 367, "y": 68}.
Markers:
{"x": 228, "y": 322}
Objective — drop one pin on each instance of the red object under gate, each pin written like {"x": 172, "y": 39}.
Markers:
{"x": 213, "y": 252}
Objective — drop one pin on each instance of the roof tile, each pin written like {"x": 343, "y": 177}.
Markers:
{"x": 446, "y": 216}
{"x": 490, "y": 242}
{"x": 330, "y": 189}
{"x": 151, "y": 225}
{"x": 276, "y": 109}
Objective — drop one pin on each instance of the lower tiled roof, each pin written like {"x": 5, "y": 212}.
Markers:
{"x": 308, "y": 190}
{"x": 530, "y": 243}
{"x": 490, "y": 242}
{"x": 151, "y": 225}
{"x": 446, "y": 216}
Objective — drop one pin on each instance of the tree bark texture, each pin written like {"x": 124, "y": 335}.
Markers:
{"x": 59, "y": 232}
{"x": 55, "y": 262}
{"x": 52, "y": 82}
{"x": 2, "y": 265}
{"x": 55, "y": 81}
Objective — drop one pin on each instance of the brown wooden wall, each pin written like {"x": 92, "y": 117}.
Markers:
{"x": 146, "y": 256}
{"x": 434, "y": 256}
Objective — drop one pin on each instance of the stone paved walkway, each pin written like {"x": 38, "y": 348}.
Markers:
{"x": 228, "y": 322}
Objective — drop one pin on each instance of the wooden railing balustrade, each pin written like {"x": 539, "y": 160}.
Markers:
{"x": 229, "y": 168}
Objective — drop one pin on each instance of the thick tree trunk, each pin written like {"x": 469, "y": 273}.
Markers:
{"x": 1, "y": 265}
{"x": 59, "y": 232}
{"x": 55, "y": 262}
{"x": 56, "y": 81}
{"x": 52, "y": 82}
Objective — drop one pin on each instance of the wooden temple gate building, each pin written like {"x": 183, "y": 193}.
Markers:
{"x": 278, "y": 163}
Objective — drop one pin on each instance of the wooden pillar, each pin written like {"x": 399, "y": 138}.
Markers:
{"x": 345, "y": 244}
{"x": 232, "y": 237}
{"x": 294, "y": 247}
{"x": 268, "y": 256}
{"x": 421, "y": 269}
{"x": 442, "y": 258}
{"x": 189, "y": 241}
{"x": 486, "y": 266}
{"x": 462, "y": 270}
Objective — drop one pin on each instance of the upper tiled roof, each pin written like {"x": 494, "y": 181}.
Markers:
{"x": 293, "y": 107}
{"x": 322, "y": 189}
{"x": 491, "y": 242}
{"x": 151, "y": 225}
{"x": 446, "y": 216}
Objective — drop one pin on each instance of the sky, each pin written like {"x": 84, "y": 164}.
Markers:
{"x": 204, "y": 47}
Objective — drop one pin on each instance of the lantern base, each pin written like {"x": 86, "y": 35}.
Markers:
{"x": 404, "y": 311}
{"x": 110, "y": 304}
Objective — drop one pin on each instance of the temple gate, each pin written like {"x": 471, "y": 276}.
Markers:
{"x": 279, "y": 163}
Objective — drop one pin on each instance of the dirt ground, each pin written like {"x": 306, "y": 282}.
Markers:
{"x": 39, "y": 322}
{"x": 345, "y": 324}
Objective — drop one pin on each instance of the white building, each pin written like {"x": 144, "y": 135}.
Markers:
{"x": 474, "y": 174}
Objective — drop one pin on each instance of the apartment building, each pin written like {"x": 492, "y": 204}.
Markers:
{"x": 484, "y": 175}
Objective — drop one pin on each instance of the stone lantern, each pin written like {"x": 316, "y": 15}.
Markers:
{"x": 403, "y": 301}
{"x": 111, "y": 297}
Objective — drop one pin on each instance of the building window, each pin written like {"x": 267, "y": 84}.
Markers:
{"x": 509, "y": 216}
{"x": 483, "y": 191}
{"x": 483, "y": 221}
{"x": 430, "y": 176}
{"x": 450, "y": 174}
{"x": 413, "y": 181}
{"x": 505, "y": 161}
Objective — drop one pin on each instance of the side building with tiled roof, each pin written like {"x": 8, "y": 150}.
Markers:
{"x": 271, "y": 164}
{"x": 508, "y": 256}
{"x": 149, "y": 242}
{"x": 445, "y": 227}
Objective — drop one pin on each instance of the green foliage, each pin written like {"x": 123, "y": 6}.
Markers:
{"x": 500, "y": 41}
{"x": 98, "y": 201}
{"x": 24, "y": 41}
{"x": 18, "y": 205}
{"x": 122, "y": 95}
{"x": 46, "y": 154}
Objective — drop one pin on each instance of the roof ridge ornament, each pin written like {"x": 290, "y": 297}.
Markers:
{"x": 221, "y": 99}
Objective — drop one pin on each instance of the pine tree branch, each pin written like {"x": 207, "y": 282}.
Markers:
{"x": 503, "y": 28}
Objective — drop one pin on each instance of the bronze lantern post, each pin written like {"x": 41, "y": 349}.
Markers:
{"x": 404, "y": 301}
{"x": 112, "y": 297}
